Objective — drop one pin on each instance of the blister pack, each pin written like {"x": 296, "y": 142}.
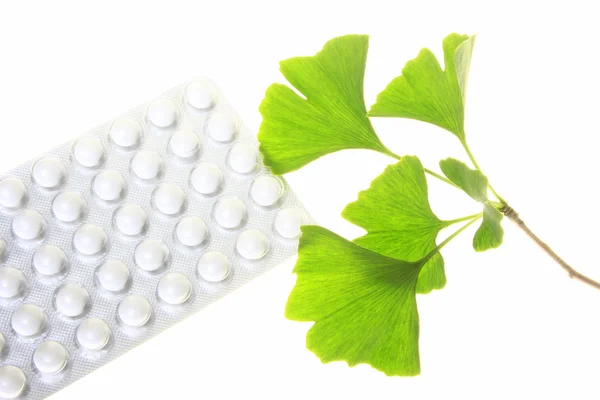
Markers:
{"x": 126, "y": 230}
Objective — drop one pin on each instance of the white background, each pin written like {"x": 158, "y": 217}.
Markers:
{"x": 510, "y": 323}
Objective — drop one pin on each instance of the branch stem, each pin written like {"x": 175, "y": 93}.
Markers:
{"x": 476, "y": 165}
{"x": 467, "y": 218}
{"x": 452, "y": 236}
{"x": 428, "y": 171}
{"x": 512, "y": 215}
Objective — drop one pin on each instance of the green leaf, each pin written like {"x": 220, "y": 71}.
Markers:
{"x": 426, "y": 92}
{"x": 399, "y": 222}
{"x": 332, "y": 117}
{"x": 490, "y": 232}
{"x": 472, "y": 181}
{"x": 363, "y": 303}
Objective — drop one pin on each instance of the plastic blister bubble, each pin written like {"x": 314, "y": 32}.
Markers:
{"x": 129, "y": 228}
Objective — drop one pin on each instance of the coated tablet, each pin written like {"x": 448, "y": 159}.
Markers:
{"x": 49, "y": 173}
{"x": 131, "y": 219}
{"x": 191, "y": 231}
{"x": 169, "y": 199}
{"x": 174, "y": 288}
{"x": 229, "y": 212}
{"x": 88, "y": 152}
{"x": 184, "y": 143}
{"x": 90, "y": 240}
{"x": 50, "y": 358}
{"x": 147, "y": 165}
{"x": 126, "y": 133}
{"x": 13, "y": 193}
{"x": 50, "y": 260}
{"x": 243, "y": 158}
{"x": 109, "y": 185}
{"x": 134, "y": 311}
{"x": 151, "y": 255}
{"x": 289, "y": 221}
{"x": 221, "y": 126}
{"x": 13, "y": 283}
{"x": 13, "y": 382}
{"x": 93, "y": 334}
{"x": 29, "y": 321}
{"x": 71, "y": 300}
{"x": 29, "y": 225}
{"x": 200, "y": 94}
{"x": 252, "y": 244}
{"x": 266, "y": 190}
{"x": 206, "y": 178}
{"x": 69, "y": 206}
{"x": 113, "y": 276}
{"x": 213, "y": 266}
{"x": 162, "y": 113}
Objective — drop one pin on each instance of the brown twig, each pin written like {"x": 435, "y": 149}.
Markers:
{"x": 514, "y": 217}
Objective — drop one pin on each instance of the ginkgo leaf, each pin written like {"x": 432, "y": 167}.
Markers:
{"x": 331, "y": 117}
{"x": 472, "y": 181}
{"x": 490, "y": 232}
{"x": 363, "y": 303}
{"x": 399, "y": 222}
{"x": 426, "y": 92}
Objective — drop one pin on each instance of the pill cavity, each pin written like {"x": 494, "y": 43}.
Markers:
{"x": 49, "y": 173}
{"x": 200, "y": 94}
{"x": 71, "y": 300}
{"x": 229, "y": 212}
{"x": 174, "y": 288}
{"x": 162, "y": 112}
{"x": 29, "y": 321}
{"x": 169, "y": 199}
{"x": 134, "y": 311}
{"x": 191, "y": 231}
{"x": 147, "y": 165}
{"x": 13, "y": 382}
{"x": 289, "y": 221}
{"x": 69, "y": 207}
{"x": 88, "y": 152}
{"x": 109, "y": 185}
{"x": 13, "y": 283}
{"x": 130, "y": 219}
{"x": 252, "y": 244}
{"x": 266, "y": 190}
{"x": 221, "y": 126}
{"x": 113, "y": 276}
{"x": 29, "y": 225}
{"x": 50, "y": 260}
{"x": 152, "y": 255}
{"x": 126, "y": 133}
{"x": 13, "y": 193}
{"x": 90, "y": 240}
{"x": 213, "y": 266}
{"x": 93, "y": 334}
{"x": 50, "y": 358}
{"x": 206, "y": 178}
{"x": 243, "y": 158}
{"x": 184, "y": 143}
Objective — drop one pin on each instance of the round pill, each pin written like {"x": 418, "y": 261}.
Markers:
{"x": 221, "y": 126}
{"x": 229, "y": 212}
{"x": 252, "y": 244}
{"x": 134, "y": 310}
{"x": 147, "y": 165}
{"x": 169, "y": 198}
{"x": 206, "y": 178}
{"x": 93, "y": 334}
{"x": 191, "y": 231}
{"x": 266, "y": 190}
{"x": 113, "y": 275}
{"x": 50, "y": 357}
{"x": 90, "y": 240}
{"x": 131, "y": 219}
{"x": 29, "y": 321}
{"x": 242, "y": 158}
{"x": 162, "y": 112}
{"x": 69, "y": 206}
{"x": 288, "y": 222}
{"x": 151, "y": 255}
{"x": 125, "y": 133}
{"x": 88, "y": 152}
{"x": 13, "y": 382}
{"x": 13, "y": 193}
{"x": 71, "y": 300}
{"x": 49, "y": 260}
{"x": 49, "y": 173}
{"x": 109, "y": 185}
{"x": 213, "y": 266}
{"x": 174, "y": 288}
{"x": 200, "y": 94}
{"x": 13, "y": 283}
{"x": 29, "y": 225}
{"x": 184, "y": 143}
